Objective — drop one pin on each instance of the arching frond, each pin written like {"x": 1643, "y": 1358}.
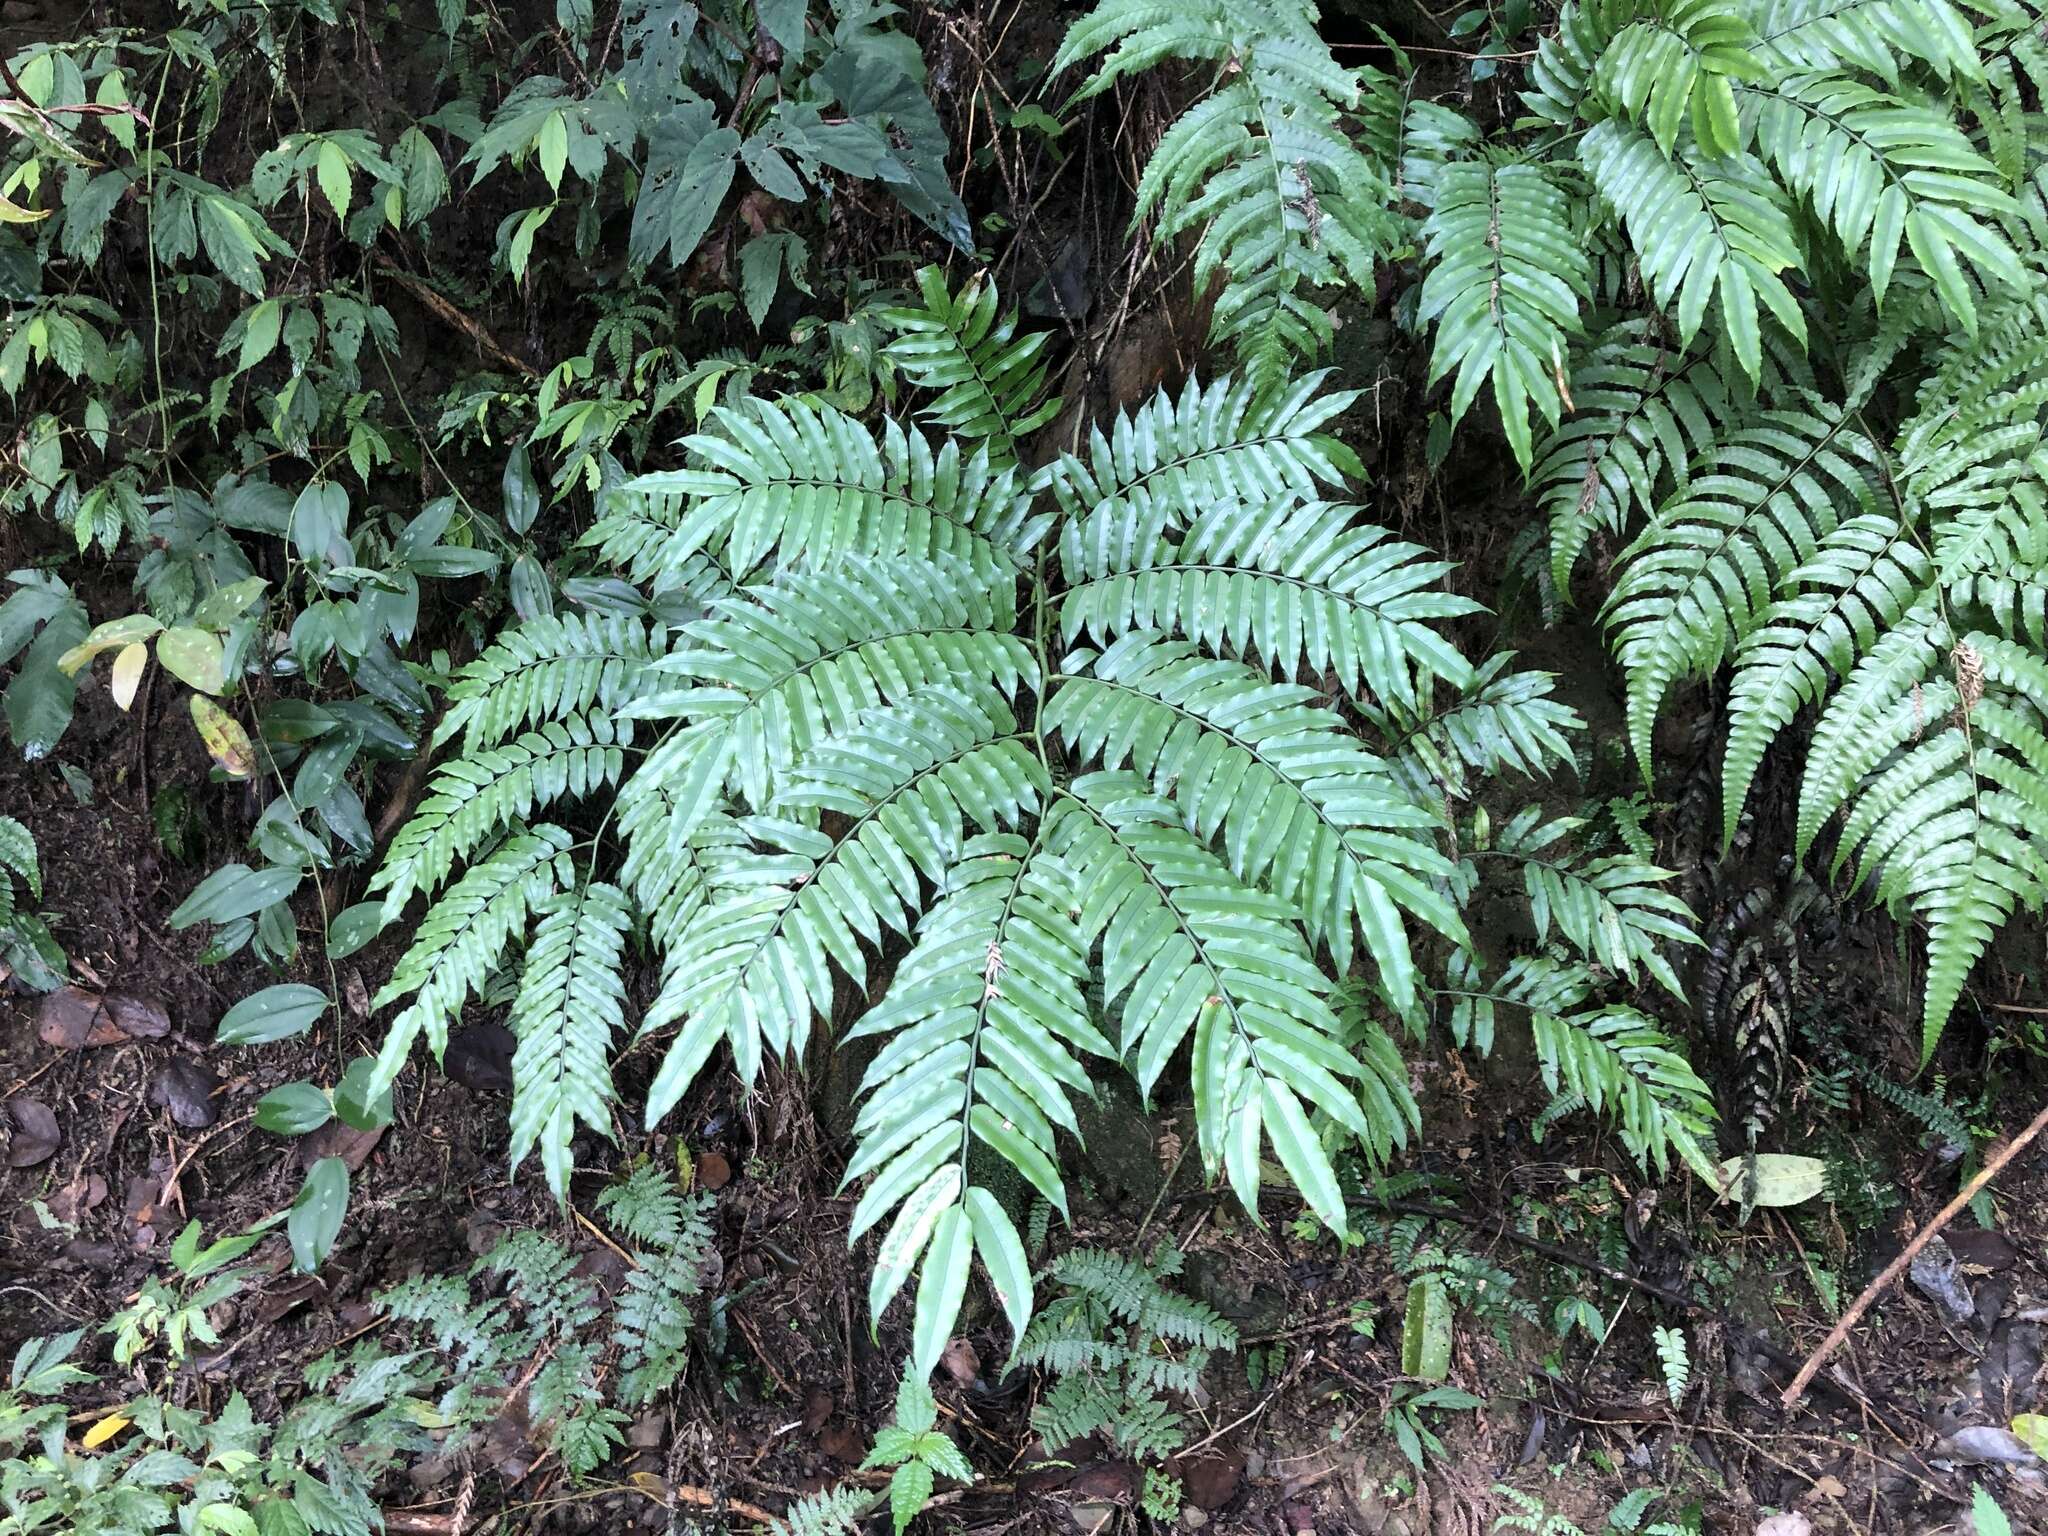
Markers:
{"x": 1190, "y": 951}
{"x": 546, "y": 669}
{"x": 463, "y": 937}
{"x": 1504, "y": 722}
{"x": 473, "y": 796}
{"x": 1698, "y": 578}
{"x": 1306, "y": 587}
{"x": 1299, "y": 807}
{"x": 1623, "y": 1066}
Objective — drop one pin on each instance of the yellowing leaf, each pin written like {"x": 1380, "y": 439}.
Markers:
{"x": 2032, "y": 1428}
{"x": 105, "y": 1430}
{"x": 128, "y": 672}
{"x": 226, "y": 742}
{"x": 14, "y": 213}
{"x": 554, "y": 149}
{"x": 107, "y": 637}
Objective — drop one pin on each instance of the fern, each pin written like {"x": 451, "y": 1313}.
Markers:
{"x": 990, "y": 381}
{"x": 1157, "y": 848}
{"x": 1505, "y": 291}
{"x": 1675, "y": 1362}
{"x": 1115, "y": 1338}
{"x": 672, "y": 1234}
{"x": 1262, "y": 167}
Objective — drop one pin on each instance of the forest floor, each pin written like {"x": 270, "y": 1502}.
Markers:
{"x": 126, "y": 1120}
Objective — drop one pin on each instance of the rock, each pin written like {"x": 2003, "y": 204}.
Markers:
{"x": 1935, "y": 1274}
{"x": 1091, "y": 1515}
{"x": 187, "y": 1090}
{"x": 73, "y": 1019}
{"x": 961, "y": 1362}
{"x": 1790, "y": 1523}
{"x": 1194, "y": 1517}
{"x": 34, "y": 1139}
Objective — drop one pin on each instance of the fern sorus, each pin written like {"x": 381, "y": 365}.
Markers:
{"x": 1081, "y": 750}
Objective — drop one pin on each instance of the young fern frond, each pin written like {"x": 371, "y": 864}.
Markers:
{"x": 990, "y": 381}
{"x": 672, "y": 1235}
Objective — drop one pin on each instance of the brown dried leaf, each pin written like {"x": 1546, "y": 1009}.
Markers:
{"x": 35, "y": 1133}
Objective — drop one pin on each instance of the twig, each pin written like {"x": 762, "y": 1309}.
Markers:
{"x": 445, "y": 311}
{"x": 1893, "y": 1270}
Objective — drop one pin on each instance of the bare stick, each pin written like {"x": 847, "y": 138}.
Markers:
{"x": 1893, "y": 1270}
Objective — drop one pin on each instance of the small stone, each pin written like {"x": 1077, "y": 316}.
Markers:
{"x": 1194, "y": 1517}
{"x": 1091, "y": 1516}
{"x": 1789, "y": 1523}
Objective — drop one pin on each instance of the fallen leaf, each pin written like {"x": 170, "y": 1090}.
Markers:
{"x": 1829, "y": 1487}
{"x": 1211, "y": 1477}
{"x": 1781, "y": 1178}
{"x": 713, "y": 1172}
{"x": 479, "y": 1056}
{"x": 84, "y": 1193}
{"x": 187, "y": 1090}
{"x": 72, "y": 1019}
{"x": 35, "y": 1133}
{"x": 105, "y": 1430}
{"x": 338, "y": 1139}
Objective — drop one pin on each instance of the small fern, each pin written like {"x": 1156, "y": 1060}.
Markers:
{"x": 1115, "y": 1339}
{"x": 1674, "y": 1361}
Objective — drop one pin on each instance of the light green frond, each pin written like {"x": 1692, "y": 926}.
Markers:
{"x": 990, "y": 381}
{"x": 1508, "y": 273}
{"x": 1624, "y": 1067}
{"x": 1300, "y": 807}
{"x": 772, "y": 674}
{"x": 546, "y": 669}
{"x": 986, "y": 1030}
{"x": 1307, "y": 587}
{"x": 1880, "y": 172}
{"x": 18, "y": 853}
{"x": 1562, "y": 73}
{"x": 1956, "y": 827}
{"x": 1859, "y": 583}
{"x": 1881, "y": 706}
{"x": 795, "y": 480}
{"x": 1677, "y": 63}
{"x": 1504, "y": 722}
{"x": 1873, "y": 35}
{"x": 751, "y": 966}
{"x": 1224, "y": 443}
{"x": 463, "y": 937}
{"x": 571, "y": 1001}
{"x": 1702, "y": 230}
{"x": 1643, "y": 414}
{"x": 1189, "y": 950}
{"x": 1700, "y": 576}
{"x": 472, "y": 796}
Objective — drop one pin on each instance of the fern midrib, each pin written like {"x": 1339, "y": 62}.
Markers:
{"x": 1884, "y": 163}
{"x": 989, "y": 992}
{"x": 1184, "y": 922}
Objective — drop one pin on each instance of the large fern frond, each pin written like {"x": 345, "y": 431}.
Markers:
{"x": 545, "y": 669}
{"x": 1622, "y": 1065}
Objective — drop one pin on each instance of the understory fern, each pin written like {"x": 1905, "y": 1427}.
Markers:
{"x": 1119, "y": 1344}
{"x": 1131, "y": 760}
